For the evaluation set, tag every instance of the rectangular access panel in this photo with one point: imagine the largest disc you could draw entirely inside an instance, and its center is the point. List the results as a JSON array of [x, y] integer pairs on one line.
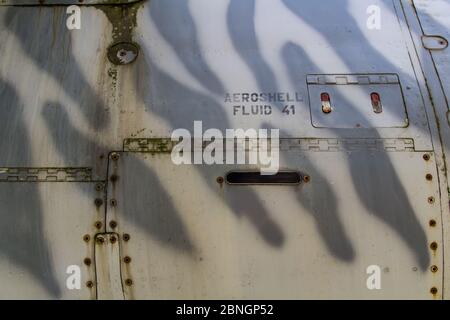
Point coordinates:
[[376, 101], [191, 235]]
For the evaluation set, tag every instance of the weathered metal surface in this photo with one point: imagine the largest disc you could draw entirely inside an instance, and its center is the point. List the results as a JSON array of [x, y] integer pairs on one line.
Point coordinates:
[[43, 226], [435, 21], [64, 105], [107, 259], [313, 240]]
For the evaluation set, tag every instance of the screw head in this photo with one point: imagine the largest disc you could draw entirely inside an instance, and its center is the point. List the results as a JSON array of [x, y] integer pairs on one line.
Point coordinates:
[[433, 246], [112, 239], [115, 156], [113, 224], [99, 186], [129, 282], [98, 202]]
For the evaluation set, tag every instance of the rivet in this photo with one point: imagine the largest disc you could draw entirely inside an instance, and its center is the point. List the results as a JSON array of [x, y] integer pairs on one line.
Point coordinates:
[[433, 290], [99, 186], [86, 238], [433, 246], [431, 200], [98, 224], [127, 259], [112, 239], [98, 202], [112, 224], [100, 240], [219, 180], [426, 157], [129, 282], [115, 156], [113, 202], [89, 284], [429, 177], [114, 178], [432, 223], [126, 237], [434, 269], [87, 261], [306, 178]]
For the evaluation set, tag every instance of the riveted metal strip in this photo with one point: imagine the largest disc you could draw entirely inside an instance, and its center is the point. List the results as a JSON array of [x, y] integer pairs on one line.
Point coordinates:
[[45, 174], [361, 79], [330, 145], [165, 145]]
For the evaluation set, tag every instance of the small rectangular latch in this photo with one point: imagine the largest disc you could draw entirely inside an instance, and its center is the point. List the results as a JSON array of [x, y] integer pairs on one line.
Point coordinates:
[[326, 102], [376, 102]]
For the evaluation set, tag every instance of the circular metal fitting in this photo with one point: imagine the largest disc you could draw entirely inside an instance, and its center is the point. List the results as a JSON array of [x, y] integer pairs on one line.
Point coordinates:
[[433, 246], [112, 239], [123, 53], [127, 259], [113, 224], [98, 202], [115, 156], [129, 282]]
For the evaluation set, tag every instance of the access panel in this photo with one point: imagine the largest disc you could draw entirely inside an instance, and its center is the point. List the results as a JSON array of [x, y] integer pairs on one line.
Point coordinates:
[[188, 233]]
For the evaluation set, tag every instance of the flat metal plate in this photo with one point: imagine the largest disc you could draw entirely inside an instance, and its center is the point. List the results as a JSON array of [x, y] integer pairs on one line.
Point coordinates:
[[59, 87], [42, 229], [194, 238], [358, 89]]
